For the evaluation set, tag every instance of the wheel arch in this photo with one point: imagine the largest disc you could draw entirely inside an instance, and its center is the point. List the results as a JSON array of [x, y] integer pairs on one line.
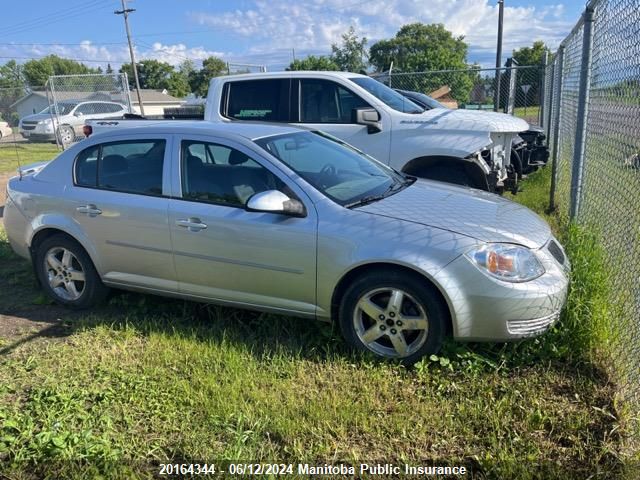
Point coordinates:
[[418, 165], [44, 231], [359, 270]]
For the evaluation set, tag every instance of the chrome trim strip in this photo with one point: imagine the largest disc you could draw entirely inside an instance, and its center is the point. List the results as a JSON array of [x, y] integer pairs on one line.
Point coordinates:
[[531, 326]]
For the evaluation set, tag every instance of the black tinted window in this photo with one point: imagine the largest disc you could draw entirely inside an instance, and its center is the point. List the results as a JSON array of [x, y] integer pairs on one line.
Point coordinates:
[[259, 100], [86, 173], [131, 166], [323, 101], [219, 174]]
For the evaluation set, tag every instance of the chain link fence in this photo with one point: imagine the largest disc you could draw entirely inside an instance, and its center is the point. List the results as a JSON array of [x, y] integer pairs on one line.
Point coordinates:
[[593, 92], [520, 88], [15, 103], [74, 99]]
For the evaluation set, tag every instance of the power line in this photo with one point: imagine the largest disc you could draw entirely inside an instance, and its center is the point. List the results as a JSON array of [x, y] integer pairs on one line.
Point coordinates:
[[46, 21], [39, 57], [56, 44]]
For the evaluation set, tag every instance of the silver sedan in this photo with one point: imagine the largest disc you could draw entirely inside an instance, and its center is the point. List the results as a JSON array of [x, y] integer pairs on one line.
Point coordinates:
[[285, 220]]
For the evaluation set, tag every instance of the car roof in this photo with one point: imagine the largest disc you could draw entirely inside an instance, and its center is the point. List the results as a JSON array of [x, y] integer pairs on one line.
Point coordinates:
[[248, 130], [293, 73]]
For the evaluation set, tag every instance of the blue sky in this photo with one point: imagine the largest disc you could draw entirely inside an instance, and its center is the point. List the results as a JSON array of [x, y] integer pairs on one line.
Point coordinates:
[[262, 31]]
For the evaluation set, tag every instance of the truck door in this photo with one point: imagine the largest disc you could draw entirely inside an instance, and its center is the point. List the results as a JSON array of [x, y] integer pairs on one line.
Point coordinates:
[[330, 107]]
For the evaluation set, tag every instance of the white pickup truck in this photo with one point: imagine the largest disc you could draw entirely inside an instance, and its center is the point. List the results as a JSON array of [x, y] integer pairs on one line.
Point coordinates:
[[459, 146]]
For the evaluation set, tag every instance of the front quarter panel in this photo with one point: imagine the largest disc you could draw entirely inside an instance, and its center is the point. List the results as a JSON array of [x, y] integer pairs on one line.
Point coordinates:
[[349, 238]]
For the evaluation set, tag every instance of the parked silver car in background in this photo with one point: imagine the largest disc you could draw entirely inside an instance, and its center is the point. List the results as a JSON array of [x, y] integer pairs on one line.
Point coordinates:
[[67, 119], [285, 220]]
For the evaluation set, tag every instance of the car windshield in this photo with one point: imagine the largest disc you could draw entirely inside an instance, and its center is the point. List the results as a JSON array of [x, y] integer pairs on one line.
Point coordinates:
[[63, 108], [344, 174], [385, 94], [425, 100]]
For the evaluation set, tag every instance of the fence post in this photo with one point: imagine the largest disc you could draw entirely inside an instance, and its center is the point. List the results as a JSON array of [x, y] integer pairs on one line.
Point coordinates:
[[556, 125], [548, 110], [577, 166], [53, 105], [541, 89]]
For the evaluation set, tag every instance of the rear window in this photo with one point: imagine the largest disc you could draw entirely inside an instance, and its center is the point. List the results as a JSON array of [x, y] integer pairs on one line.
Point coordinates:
[[265, 100], [128, 166]]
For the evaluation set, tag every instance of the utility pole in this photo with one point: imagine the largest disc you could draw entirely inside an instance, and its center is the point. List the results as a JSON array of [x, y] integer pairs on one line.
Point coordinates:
[[496, 89], [125, 12]]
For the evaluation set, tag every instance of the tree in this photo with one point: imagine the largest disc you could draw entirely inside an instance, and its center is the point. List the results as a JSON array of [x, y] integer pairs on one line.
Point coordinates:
[[350, 55], [12, 88], [36, 72], [531, 55], [109, 68], [314, 63], [420, 48], [11, 75], [151, 74], [199, 79], [525, 56], [178, 84]]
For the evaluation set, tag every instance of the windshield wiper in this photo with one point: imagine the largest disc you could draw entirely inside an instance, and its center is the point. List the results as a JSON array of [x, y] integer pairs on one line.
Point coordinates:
[[391, 189]]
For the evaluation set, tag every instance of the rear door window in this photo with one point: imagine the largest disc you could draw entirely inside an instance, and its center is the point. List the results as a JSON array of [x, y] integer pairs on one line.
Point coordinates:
[[265, 100], [132, 166]]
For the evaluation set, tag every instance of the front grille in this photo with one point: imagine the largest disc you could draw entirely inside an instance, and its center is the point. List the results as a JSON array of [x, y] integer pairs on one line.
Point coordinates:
[[533, 326], [28, 127], [556, 252]]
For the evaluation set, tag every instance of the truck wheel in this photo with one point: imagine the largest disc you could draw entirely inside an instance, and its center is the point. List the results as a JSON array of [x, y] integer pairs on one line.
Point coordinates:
[[66, 134], [458, 173]]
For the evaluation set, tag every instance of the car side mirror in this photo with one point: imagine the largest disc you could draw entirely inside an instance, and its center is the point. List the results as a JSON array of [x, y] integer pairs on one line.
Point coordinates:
[[78, 114], [369, 117], [274, 201]]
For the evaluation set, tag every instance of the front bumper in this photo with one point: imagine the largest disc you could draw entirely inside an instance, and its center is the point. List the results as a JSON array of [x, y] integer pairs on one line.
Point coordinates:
[[487, 309]]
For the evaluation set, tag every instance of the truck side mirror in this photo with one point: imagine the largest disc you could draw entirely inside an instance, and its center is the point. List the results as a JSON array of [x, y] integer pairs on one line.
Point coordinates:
[[369, 117]]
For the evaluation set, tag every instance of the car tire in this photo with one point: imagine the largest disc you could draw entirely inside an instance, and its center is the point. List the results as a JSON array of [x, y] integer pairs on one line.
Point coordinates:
[[66, 134], [67, 273], [394, 302]]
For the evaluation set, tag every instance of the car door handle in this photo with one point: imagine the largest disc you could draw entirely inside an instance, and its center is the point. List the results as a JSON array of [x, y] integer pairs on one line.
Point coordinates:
[[90, 210], [193, 224]]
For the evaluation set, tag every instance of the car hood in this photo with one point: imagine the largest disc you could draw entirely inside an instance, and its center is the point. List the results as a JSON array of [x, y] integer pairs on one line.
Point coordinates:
[[473, 213], [472, 120], [36, 117]]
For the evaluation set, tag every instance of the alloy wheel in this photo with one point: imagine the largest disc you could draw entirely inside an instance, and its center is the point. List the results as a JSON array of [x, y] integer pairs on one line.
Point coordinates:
[[65, 273], [390, 322]]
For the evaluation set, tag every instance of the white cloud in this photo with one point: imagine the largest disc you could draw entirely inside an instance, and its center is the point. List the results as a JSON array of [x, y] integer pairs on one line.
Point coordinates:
[[316, 24], [97, 55]]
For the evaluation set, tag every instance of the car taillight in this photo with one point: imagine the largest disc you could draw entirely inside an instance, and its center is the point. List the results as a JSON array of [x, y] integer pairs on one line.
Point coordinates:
[[87, 130]]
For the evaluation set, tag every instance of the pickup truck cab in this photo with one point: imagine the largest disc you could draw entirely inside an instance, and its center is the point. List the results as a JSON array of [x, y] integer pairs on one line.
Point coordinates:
[[457, 146]]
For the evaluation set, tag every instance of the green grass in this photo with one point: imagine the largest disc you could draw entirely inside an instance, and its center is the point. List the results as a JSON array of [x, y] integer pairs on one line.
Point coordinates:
[[143, 380], [530, 115], [26, 153]]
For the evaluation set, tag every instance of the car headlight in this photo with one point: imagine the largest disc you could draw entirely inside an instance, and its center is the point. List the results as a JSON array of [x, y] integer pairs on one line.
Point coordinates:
[[46, 121], [511, 263]]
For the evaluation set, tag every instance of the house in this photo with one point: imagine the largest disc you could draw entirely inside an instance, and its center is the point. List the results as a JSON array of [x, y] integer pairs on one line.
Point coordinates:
[[155, 101], [443, 95]]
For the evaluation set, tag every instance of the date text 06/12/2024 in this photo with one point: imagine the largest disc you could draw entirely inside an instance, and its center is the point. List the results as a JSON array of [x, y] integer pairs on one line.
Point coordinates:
[[309, 469]]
